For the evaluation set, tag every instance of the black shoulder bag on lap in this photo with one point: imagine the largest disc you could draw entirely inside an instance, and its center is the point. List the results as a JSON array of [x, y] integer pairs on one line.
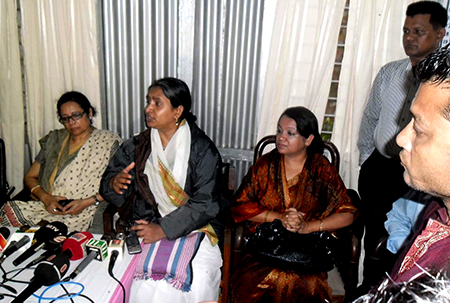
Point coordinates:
[[273, 244]]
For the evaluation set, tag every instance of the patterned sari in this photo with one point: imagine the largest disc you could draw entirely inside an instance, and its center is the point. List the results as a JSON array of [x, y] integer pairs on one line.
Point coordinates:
[[316, 191], [72, 174]]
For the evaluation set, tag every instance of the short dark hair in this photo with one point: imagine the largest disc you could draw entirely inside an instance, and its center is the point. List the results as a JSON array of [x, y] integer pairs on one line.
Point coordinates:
[[77, 97], [306, 125], [178, 93], [438, 14], [435, 69]]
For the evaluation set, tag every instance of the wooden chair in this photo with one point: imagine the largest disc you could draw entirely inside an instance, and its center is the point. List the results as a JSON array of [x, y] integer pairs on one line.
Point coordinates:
[[228, 181], [350, 236]]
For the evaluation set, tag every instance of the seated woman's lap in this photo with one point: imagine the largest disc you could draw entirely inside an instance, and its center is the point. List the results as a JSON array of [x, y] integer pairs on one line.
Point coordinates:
[[205, 285], [18, 213], [254, 282]]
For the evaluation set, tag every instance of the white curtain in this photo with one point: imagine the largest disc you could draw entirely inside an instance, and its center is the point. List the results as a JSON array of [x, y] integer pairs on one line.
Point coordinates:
[[11, 105], [374, 37], [301, 58], [61, 54]]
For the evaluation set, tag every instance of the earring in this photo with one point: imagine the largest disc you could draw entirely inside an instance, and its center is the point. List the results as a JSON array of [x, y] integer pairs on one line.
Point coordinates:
[[177, 121]]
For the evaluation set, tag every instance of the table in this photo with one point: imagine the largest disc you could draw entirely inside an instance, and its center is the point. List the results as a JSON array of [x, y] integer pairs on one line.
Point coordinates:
[[98, 284]]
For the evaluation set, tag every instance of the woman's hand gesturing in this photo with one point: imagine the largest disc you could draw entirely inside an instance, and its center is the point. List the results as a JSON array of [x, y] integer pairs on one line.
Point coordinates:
[[122, 179]]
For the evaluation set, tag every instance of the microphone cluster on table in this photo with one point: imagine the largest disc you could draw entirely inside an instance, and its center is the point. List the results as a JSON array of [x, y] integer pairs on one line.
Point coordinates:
[[59, 248]]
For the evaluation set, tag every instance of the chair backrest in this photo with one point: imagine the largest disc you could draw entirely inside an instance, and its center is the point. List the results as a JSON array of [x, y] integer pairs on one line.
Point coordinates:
[[331, 151]]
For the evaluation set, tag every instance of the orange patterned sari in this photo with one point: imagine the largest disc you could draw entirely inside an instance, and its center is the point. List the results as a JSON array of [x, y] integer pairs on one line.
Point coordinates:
[[317, 191]]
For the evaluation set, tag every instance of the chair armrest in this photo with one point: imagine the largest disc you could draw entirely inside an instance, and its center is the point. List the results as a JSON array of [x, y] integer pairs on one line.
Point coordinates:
[[238, 245], [380, 247]]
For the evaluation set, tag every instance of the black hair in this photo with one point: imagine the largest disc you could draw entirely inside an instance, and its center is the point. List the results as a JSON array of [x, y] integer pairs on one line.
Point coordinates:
[[178, 93], [435, 69], [426, 287], [77, 97], [438, 14], [306, 125]]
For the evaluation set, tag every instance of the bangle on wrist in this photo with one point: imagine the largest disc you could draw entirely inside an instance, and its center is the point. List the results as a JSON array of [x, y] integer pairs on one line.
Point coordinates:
[[267, 214], [321, 225], [34, 188]]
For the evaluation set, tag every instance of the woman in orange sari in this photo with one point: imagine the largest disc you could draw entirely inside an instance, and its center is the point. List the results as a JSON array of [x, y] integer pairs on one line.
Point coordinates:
[[296, 184]]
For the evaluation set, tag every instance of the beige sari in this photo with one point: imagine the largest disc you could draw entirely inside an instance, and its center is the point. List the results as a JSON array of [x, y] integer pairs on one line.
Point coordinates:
[[78, 178]]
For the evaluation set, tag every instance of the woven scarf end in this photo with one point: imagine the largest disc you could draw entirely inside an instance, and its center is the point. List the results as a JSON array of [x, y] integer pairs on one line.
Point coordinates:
[[184, 287], [154, 277]]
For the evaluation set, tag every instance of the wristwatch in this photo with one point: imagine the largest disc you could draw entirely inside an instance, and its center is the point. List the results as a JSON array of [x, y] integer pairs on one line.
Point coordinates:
[[97, 201]]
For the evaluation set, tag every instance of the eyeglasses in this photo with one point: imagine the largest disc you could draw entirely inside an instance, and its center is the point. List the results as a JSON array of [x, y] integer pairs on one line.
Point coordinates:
[[74, 117]]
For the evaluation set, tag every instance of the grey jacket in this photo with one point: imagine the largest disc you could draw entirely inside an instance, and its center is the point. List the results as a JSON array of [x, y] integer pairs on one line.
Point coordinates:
[[202, 185]]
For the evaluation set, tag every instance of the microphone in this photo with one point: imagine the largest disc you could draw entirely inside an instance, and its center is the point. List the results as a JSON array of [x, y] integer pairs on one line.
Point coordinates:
[[46, 273], [41, 237], [99, 246], [115, 248], [91, 256], [75, 246], [112, 262], [97, 249], [4, 234], [116, 245], [13, 247], [45, 255]]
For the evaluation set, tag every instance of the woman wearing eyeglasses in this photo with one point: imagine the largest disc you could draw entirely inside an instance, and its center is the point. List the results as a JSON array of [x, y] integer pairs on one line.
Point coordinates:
[[69, 165]]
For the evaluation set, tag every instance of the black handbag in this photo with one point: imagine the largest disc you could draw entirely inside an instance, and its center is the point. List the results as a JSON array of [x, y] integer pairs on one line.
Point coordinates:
[[272, 243]]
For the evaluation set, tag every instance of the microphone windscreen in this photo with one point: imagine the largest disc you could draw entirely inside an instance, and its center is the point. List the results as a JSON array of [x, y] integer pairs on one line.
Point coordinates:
[[4, 235], [53, 269], [50, 231], [58, 227], [76, 244]]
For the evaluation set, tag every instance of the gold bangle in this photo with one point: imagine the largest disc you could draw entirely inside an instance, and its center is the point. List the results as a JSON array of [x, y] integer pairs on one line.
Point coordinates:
[[34, 187], [267, 214], [321, 225]]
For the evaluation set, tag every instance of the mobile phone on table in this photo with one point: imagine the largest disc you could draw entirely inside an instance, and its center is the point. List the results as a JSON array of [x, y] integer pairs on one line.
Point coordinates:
[[133, 245]]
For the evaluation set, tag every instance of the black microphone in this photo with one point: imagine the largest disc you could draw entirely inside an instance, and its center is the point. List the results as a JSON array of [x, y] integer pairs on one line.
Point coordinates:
[[13, 247], [112, 261], [55, 250], [41, 237], [46, 273]]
